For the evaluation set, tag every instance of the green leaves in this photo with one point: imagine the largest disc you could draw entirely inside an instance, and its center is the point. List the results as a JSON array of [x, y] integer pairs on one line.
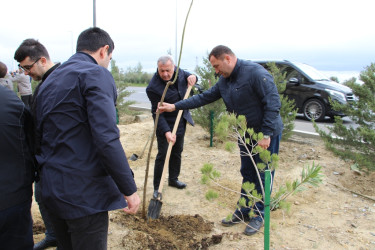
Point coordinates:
[[209, 173], [232, 126], [357, 144], [230, 146], [310, 176], [211, 195]]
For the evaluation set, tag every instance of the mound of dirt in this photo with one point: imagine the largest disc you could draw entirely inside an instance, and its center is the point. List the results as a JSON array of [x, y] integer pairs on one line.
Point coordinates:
[[170, 232]]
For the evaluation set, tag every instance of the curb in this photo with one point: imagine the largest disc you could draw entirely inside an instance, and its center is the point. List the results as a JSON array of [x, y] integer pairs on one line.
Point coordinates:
[[306, 134]]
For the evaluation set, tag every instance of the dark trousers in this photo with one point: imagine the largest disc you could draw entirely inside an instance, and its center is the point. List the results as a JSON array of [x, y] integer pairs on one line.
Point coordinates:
[[174, 160], [50, 233], [249, 174], [16, 227], [89, 232], [26, 99]]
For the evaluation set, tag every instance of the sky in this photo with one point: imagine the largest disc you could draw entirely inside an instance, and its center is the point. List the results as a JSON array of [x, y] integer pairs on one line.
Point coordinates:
[[331, 35]]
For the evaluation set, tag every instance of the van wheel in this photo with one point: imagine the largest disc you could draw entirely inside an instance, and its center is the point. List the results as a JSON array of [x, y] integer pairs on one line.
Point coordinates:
[[314, 109]]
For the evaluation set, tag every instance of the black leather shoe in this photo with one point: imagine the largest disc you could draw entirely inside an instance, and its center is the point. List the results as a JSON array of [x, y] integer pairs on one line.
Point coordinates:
[[237, 217], [45, 244], [177, 184], [155, 195], [253, 227]]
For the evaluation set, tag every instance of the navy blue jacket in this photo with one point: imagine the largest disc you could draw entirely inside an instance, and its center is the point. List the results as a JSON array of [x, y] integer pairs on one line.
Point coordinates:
[[16, 164], [174, 94], [248, 91], [84, 169]]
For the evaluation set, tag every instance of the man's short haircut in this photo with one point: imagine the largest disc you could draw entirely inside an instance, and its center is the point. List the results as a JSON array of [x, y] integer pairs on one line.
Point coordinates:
[[164, 59], [219, 51], [30, 48], [3, 70], [93, 39]]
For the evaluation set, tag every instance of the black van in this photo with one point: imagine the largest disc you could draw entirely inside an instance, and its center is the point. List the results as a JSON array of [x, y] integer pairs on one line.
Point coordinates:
[[310, 89]]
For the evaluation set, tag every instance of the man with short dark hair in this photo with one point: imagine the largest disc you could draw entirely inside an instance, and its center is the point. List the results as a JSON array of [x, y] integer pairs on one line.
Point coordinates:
[[246, 89], [85, 172], [35, 62]]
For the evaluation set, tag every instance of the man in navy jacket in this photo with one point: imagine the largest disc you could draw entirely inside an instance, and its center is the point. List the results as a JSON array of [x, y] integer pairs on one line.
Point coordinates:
[[35, 62], [84, 169], [246, 89], [16, 173], [166, 72]]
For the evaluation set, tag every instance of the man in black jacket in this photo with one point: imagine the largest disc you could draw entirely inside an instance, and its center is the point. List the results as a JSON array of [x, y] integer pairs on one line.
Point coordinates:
[[85, 172], [246, 89], [166, 72], [16, 174], [34, 60]]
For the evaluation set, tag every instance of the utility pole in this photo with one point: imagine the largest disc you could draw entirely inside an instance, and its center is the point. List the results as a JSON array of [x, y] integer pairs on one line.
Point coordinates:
[[94, 13], [175, 55]]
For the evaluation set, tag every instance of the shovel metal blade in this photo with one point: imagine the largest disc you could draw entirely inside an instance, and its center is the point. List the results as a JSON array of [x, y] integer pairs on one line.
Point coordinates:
[[154, 208], [134, 157]]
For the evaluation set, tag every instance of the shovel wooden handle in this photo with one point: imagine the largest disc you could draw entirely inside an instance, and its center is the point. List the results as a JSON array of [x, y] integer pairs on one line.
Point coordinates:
[[166, 162]]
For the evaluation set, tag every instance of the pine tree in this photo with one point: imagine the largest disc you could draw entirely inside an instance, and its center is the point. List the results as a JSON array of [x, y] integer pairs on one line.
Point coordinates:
[[288, 111], [122, 105], [355, 143], [202, 115]]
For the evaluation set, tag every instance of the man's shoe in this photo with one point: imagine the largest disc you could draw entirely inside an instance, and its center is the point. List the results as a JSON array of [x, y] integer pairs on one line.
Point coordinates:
[[177, 184], [254, 225], [45, 244], [155, 195], [237, 217]]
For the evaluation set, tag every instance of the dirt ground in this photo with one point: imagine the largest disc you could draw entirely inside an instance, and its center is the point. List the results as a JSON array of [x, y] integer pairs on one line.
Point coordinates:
[[336, 215]]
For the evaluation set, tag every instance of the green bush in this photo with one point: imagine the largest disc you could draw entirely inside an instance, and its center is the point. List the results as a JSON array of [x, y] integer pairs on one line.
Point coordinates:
[[357, 144], [202, 115]]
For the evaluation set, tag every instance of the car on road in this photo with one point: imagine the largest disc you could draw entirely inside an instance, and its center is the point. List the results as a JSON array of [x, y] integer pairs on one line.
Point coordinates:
[[310, 89]]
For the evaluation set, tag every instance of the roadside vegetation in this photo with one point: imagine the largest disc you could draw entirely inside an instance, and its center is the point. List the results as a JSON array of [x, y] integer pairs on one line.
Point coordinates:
[[356, 144]]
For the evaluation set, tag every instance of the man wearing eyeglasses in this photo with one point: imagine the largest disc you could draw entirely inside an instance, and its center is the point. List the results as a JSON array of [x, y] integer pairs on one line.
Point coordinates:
[[34, 60]]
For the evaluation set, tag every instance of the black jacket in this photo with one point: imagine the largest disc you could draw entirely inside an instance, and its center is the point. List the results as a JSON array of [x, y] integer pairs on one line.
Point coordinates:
[[174, 94], [16, 165]]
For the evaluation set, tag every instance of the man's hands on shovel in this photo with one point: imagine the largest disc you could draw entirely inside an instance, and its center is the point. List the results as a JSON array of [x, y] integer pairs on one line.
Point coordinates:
[[170, 137], [133, 203], [166, 107]]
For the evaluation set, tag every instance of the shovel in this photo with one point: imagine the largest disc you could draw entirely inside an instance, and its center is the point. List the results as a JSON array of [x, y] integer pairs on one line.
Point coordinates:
[[135, 157], [154, 207]]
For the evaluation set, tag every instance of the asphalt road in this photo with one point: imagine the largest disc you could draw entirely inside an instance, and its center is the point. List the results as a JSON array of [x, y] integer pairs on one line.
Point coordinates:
[[301, 125]]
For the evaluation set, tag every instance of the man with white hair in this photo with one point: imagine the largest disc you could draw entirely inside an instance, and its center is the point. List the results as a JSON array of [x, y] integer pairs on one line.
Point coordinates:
[[166, 72]]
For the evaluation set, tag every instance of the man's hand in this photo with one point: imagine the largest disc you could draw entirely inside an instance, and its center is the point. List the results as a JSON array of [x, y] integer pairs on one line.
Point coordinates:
[[166, 107], [170, 137], [133, 203], [264, 143], [191, 80]]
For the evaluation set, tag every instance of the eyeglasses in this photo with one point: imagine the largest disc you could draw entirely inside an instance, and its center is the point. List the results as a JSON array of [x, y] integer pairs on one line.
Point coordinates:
[[27, 68]]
